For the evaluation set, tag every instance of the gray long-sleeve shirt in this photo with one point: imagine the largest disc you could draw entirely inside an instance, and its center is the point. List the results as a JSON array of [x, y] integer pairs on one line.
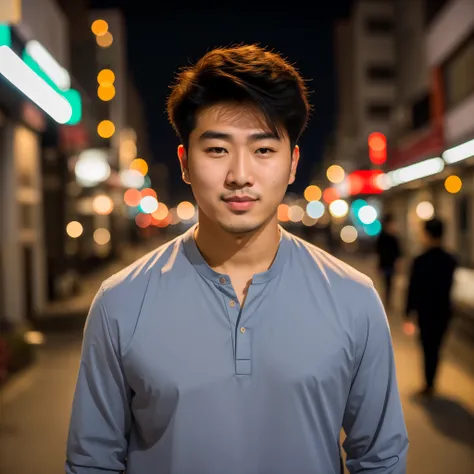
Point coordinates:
[[176, 378]]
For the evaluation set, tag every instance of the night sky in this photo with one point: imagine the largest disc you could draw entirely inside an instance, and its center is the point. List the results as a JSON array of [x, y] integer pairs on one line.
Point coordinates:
[[158, 45]]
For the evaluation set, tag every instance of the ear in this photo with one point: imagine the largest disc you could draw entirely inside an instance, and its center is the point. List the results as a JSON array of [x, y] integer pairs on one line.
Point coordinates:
[[183, 162], [295, 157]]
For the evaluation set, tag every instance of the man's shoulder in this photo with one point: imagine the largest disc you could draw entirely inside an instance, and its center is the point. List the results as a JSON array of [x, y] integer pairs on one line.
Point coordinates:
[[331, 267], [137, 274]]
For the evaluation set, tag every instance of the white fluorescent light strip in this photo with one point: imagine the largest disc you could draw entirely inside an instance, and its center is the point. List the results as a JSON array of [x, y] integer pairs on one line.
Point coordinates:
[[35, 88], [417, 171], [49, 65], [459, 153]]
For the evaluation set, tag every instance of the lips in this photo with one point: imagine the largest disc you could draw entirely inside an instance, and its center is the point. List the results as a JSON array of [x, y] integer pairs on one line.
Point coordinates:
[[240, 203], [239, 199]]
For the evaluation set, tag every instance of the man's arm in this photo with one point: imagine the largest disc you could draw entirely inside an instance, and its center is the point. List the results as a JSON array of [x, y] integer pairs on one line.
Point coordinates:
[[376, 437], [100, 422]]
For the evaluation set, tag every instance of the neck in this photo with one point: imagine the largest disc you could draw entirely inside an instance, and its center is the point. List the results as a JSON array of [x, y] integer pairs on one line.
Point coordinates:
[[434, 244], [227, 252]]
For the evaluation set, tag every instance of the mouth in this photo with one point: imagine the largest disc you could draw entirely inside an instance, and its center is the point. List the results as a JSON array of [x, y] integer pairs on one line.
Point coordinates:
[[240, 203]]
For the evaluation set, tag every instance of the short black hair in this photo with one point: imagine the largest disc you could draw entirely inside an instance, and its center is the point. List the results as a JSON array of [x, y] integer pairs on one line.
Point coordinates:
[[242, 74], [434, 228]]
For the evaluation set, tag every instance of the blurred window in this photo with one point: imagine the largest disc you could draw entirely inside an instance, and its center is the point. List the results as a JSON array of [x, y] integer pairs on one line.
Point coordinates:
[[458, 73], [420, 112], [380, 72], [378, 111], [379, 26]]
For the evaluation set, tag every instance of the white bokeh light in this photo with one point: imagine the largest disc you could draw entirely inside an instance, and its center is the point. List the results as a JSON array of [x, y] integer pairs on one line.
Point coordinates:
[[132, 179], [149, 204], [425, 210], [92, 168], [367, 214], [338, 208]]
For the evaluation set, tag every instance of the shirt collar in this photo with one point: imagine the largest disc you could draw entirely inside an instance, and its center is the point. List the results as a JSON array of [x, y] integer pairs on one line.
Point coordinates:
[[197, 260]]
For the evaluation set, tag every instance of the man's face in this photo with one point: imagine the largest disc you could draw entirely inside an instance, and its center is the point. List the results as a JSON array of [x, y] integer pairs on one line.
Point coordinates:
[[238, 170]]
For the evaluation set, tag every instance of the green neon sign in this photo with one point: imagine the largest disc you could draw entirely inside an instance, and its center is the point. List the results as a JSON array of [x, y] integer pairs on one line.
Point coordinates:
[[5, 35], [71, 95]]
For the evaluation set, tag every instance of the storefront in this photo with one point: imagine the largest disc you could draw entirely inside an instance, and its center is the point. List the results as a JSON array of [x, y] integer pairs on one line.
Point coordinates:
[[31, 110]]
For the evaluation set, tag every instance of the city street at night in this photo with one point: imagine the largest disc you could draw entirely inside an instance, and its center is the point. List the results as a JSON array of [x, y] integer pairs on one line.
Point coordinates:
[[241, 131]]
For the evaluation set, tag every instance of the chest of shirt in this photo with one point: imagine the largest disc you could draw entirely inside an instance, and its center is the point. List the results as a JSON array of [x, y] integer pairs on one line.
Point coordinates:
[[192, 342]]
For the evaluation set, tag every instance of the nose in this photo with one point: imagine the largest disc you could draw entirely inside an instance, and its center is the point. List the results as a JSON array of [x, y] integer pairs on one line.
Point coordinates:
[[240, 174]]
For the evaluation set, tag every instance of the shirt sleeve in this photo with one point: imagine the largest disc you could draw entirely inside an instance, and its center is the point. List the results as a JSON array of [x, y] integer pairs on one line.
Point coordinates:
[[376, 437], [100, 420]]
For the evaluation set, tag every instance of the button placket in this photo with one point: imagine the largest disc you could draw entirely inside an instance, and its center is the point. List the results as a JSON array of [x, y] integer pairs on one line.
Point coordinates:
[[243, 356]]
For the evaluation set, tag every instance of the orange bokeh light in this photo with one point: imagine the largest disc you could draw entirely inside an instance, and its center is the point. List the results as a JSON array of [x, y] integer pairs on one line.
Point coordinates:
[[330, 195]]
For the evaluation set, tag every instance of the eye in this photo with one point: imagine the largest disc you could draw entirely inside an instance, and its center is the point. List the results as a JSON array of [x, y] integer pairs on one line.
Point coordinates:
[[264, 151], [216, 150]]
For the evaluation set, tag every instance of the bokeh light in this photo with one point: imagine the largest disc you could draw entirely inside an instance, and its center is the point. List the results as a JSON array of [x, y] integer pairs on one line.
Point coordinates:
[[453, 184], [283, 213], [106, 77], [74, 229], [312, 193], [101, 236], [105, 129], [105, 40], [338, 208], [315, 209], [140, 165], [106, 92], [335, 174], [185, 210], [100, 27], [425, 210], [349, 234], [102, 204]]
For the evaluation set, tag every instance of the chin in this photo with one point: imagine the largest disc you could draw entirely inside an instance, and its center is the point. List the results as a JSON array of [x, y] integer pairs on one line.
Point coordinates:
[[241, 225]]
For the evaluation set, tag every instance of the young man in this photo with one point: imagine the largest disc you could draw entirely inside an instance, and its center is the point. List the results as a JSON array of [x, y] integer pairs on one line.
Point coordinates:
[[237, 348], [429, 296]]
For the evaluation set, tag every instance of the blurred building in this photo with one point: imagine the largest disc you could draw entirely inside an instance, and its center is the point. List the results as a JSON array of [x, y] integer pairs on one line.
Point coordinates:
[[367, 40], [431, 141], [345, 133], [365, 54], [366, 80], [39, 98]]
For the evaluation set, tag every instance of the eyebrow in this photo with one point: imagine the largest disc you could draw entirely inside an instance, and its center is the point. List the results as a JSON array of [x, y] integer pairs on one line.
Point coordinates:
[[212, 134]]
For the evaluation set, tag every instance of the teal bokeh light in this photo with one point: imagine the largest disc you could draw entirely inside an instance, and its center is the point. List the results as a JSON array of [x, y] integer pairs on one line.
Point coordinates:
[[373, 229]]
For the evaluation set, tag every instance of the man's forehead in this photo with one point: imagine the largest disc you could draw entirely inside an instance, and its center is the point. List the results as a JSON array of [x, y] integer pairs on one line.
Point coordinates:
[[236, 116]]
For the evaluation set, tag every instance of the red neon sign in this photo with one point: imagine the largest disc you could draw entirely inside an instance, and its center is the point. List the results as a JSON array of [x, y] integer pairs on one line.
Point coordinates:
[[365, 182], [377, 148]]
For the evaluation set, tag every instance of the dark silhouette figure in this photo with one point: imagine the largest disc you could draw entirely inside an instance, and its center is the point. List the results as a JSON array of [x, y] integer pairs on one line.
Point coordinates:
[[429, 296], [388, 252]]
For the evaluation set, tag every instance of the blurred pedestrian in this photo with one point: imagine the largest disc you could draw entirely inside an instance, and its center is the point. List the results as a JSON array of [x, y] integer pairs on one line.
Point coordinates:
[[388, 252], [429, 297]]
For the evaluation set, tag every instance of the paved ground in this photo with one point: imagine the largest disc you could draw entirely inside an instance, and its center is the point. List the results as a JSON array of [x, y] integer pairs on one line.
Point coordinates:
[[35, 407]]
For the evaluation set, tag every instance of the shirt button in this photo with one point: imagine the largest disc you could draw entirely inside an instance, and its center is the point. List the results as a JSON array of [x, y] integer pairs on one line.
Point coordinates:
[[232, 303], [242, 330], [222, 280]]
